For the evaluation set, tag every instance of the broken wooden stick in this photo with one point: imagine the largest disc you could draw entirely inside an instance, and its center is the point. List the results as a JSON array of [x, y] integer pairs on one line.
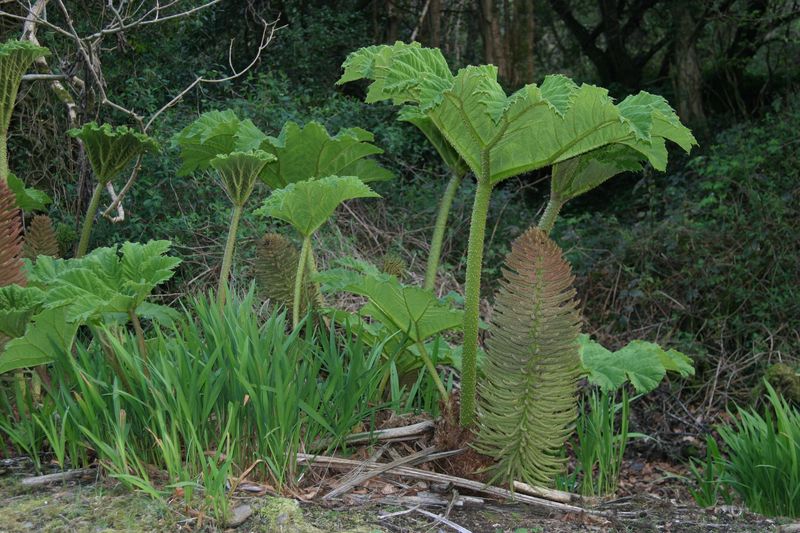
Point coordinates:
[[477, 486], [548, 494], [402, 432], [38, 481]]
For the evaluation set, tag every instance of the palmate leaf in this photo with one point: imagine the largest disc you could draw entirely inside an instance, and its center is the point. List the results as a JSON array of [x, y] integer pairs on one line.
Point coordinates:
[[48, 334], [533, 128], [413, 312], [28, 198], [583, 173], [212, 134], [448, 154], [307, 205], [528, 399], [642, 363], [103, 283], [15, 59], [310, 152], [239, 171], [111, 148], [17, 306]]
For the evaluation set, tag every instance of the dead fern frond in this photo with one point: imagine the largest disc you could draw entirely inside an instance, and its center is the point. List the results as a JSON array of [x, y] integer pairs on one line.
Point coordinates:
[[10, 239], [528, 399], [40, 239]]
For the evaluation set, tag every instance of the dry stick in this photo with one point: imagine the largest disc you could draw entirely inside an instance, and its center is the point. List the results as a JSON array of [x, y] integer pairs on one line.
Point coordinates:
[[382, 434], [444, 521], [404, 471], [38, 481], [345, 487], [547, 494]]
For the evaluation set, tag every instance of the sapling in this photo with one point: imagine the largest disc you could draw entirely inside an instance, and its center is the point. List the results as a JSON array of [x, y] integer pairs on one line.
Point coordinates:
[[307, 205], [109, 150], [500, 136]]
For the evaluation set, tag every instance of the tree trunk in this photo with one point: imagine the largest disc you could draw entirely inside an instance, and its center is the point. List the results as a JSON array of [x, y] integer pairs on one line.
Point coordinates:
[[686, 74], [522, 46], [435, 23]]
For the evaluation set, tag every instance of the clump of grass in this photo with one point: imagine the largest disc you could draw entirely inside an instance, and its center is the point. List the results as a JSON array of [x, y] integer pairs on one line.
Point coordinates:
[[763, 464]]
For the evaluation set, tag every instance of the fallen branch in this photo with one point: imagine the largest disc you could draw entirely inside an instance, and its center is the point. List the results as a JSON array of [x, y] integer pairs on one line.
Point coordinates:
[[477, 486], [547, 494], [358, 480], [46, 479], [382, 434]]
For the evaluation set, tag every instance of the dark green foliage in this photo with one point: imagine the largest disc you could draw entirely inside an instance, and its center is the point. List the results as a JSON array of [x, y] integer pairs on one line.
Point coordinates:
[[528, 398]]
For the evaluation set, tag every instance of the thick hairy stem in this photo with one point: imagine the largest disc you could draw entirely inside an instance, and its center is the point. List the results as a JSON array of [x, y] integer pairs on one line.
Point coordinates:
[[548, 220], [86, 231], [298, 281], [312, 272], [227, 258], [472, 301], [3, 158], [438, 231], [434, 374]]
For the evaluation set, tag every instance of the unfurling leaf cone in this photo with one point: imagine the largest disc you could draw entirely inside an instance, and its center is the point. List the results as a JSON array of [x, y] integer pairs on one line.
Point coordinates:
[[528, 399], [40, 239], [10, 239], [276, 268], [394, 265]]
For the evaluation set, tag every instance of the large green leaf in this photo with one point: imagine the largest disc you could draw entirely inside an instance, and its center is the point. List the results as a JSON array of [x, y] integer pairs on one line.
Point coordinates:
[[212, 134], [28, 198], [448, 154], [103, 283], [583, 173], [643, 363], [309, 152], [500, 136], [49, 334], [414, 312], [15, 59], [111, 148], [239, 171], [17, 306], [307, 205]]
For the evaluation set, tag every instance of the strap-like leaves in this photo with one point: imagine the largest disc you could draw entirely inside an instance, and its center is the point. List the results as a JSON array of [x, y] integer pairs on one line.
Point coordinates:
[[500, 136], [310, 152], [528, 400], [239, 171], [110, 149], [307, 205]]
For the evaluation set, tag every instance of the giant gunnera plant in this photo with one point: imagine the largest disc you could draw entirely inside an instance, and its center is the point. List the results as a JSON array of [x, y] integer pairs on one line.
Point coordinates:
[[500, 136]]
